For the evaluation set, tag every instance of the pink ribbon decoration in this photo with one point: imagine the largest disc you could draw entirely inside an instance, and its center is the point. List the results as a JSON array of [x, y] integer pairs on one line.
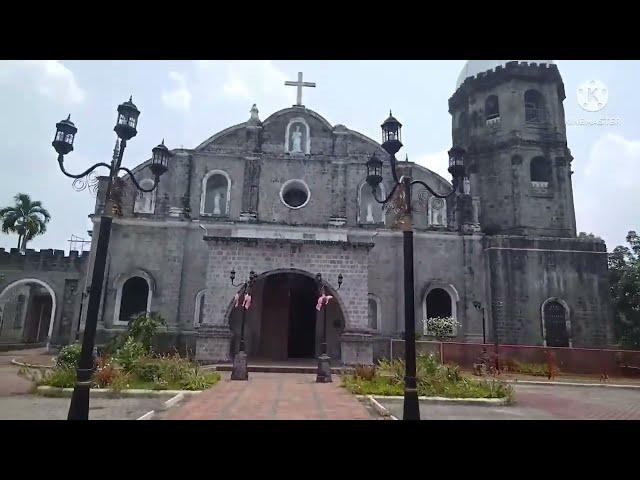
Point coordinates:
[[323, 300], [247, 301]]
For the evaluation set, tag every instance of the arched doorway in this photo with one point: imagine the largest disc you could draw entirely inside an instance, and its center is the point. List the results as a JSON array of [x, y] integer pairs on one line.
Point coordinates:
[[283, 322], [555, 316], [134, 299], [27, 312]]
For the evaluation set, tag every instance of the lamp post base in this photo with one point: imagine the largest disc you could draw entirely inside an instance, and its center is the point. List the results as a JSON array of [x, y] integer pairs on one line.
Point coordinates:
[[324, 369], [411, 408], [239, 371]]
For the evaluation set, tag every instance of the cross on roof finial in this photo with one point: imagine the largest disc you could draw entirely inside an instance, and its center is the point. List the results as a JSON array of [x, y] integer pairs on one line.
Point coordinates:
[[300, 84]]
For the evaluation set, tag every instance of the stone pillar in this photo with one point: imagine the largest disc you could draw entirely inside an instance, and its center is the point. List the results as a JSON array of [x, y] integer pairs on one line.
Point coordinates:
[[250, 189], [338, 194]]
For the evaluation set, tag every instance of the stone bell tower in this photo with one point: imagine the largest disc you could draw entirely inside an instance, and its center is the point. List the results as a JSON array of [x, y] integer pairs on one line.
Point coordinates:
[[509, 117]]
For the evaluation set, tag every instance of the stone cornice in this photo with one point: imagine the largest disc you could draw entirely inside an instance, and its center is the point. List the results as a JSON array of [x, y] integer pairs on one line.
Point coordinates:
[[281, 242]]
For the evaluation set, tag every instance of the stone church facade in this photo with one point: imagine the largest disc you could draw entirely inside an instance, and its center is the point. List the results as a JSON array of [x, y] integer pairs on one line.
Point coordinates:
[[286, 197]]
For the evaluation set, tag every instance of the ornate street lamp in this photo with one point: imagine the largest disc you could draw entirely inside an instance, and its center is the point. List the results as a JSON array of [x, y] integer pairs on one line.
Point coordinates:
[[242, 300], [324, 361], [64, 137], [391, 143]]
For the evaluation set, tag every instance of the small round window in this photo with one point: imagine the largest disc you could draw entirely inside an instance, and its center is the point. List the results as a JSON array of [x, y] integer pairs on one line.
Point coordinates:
[[295, 194]]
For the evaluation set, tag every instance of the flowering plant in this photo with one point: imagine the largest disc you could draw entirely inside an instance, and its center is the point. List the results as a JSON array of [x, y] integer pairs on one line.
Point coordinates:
[[441, 327]]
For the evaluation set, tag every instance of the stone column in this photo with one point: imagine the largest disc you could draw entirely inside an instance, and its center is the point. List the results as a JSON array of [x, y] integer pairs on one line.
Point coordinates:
[[250, 189], [338, 194]]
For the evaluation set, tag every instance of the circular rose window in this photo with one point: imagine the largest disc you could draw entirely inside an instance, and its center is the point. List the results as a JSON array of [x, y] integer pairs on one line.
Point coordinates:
[[295, 194]]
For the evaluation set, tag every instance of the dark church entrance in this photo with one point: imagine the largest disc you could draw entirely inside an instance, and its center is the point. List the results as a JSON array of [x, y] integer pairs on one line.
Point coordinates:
[[288, 323], [555, 324], [135, 296]]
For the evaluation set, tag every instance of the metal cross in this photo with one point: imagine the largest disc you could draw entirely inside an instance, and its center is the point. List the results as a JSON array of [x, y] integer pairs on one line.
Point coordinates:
[[300, 84]]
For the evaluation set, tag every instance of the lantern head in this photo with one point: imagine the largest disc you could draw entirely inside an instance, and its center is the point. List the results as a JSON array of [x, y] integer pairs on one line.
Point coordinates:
[[127, 121], [391, 135], [159, 159], [374, 171], [65, 134]]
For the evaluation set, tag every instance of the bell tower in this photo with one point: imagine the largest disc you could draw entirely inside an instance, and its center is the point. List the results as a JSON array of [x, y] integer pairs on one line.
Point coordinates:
[[509, 117]]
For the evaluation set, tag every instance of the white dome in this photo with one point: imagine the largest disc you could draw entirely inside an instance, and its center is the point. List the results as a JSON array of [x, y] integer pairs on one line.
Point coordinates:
[[474, 67]]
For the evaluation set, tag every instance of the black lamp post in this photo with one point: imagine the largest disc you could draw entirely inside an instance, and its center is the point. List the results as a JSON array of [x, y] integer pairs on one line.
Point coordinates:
[[478, 306], [391, 143], [324, 360], [63, 143], [242, 300]]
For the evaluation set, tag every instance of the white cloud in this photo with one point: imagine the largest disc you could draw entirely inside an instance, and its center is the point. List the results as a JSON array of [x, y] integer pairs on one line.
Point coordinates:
[[437, 162], [606, 190], [48, 77], [253, 81], [180, 97]]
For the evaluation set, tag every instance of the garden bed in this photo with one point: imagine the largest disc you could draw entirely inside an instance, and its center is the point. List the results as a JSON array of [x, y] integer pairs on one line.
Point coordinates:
[[386, 379], [128, 363]]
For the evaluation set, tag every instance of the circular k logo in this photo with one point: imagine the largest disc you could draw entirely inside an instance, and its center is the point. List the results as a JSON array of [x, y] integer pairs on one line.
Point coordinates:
[[593, 95]]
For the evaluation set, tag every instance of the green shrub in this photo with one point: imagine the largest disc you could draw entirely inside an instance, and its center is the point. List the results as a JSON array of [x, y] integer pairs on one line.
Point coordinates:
[[147, 368], [160, 384], [433, 379], [143, 328], [174, 368], [535, 369], [196, 380], [366, 372], [105, 372], [59, 377], [129, 354], [120, 382], [69, 356]]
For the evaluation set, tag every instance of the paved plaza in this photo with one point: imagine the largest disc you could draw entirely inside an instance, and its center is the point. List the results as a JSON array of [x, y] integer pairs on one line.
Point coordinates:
[[273, 396], [540, 402], [295, 396]]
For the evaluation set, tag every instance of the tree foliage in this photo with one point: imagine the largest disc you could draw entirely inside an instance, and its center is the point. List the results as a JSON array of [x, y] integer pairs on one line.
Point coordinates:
[[624, 276], [27, 218]]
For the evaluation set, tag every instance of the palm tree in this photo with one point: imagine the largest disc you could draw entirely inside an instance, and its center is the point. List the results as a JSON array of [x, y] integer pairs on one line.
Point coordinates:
[[26, 218]]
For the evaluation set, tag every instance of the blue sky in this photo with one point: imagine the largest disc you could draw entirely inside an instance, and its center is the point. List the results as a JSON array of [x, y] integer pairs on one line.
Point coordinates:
[[186, 102]]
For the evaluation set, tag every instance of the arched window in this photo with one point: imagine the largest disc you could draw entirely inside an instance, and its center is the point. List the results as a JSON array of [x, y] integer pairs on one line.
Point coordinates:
[[534, 106], [491, 107], [540, 171], [374, 312], [555, 323], [440, 300], [133, 298], [145, 201], [370, 211], [198, 313], [437, 212], [216, 193]]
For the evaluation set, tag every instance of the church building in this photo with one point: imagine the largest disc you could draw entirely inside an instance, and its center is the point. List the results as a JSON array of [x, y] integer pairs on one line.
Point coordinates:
[[285, 196]]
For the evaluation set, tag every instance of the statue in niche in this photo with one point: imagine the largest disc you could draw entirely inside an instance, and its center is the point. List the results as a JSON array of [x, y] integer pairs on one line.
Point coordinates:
[[437, 212], [466, 186], [296, 140], [369, 213], [216, 203]]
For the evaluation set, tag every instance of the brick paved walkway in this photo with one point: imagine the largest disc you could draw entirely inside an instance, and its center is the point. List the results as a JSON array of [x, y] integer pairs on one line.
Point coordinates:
[[541, 402], [272, 396]]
